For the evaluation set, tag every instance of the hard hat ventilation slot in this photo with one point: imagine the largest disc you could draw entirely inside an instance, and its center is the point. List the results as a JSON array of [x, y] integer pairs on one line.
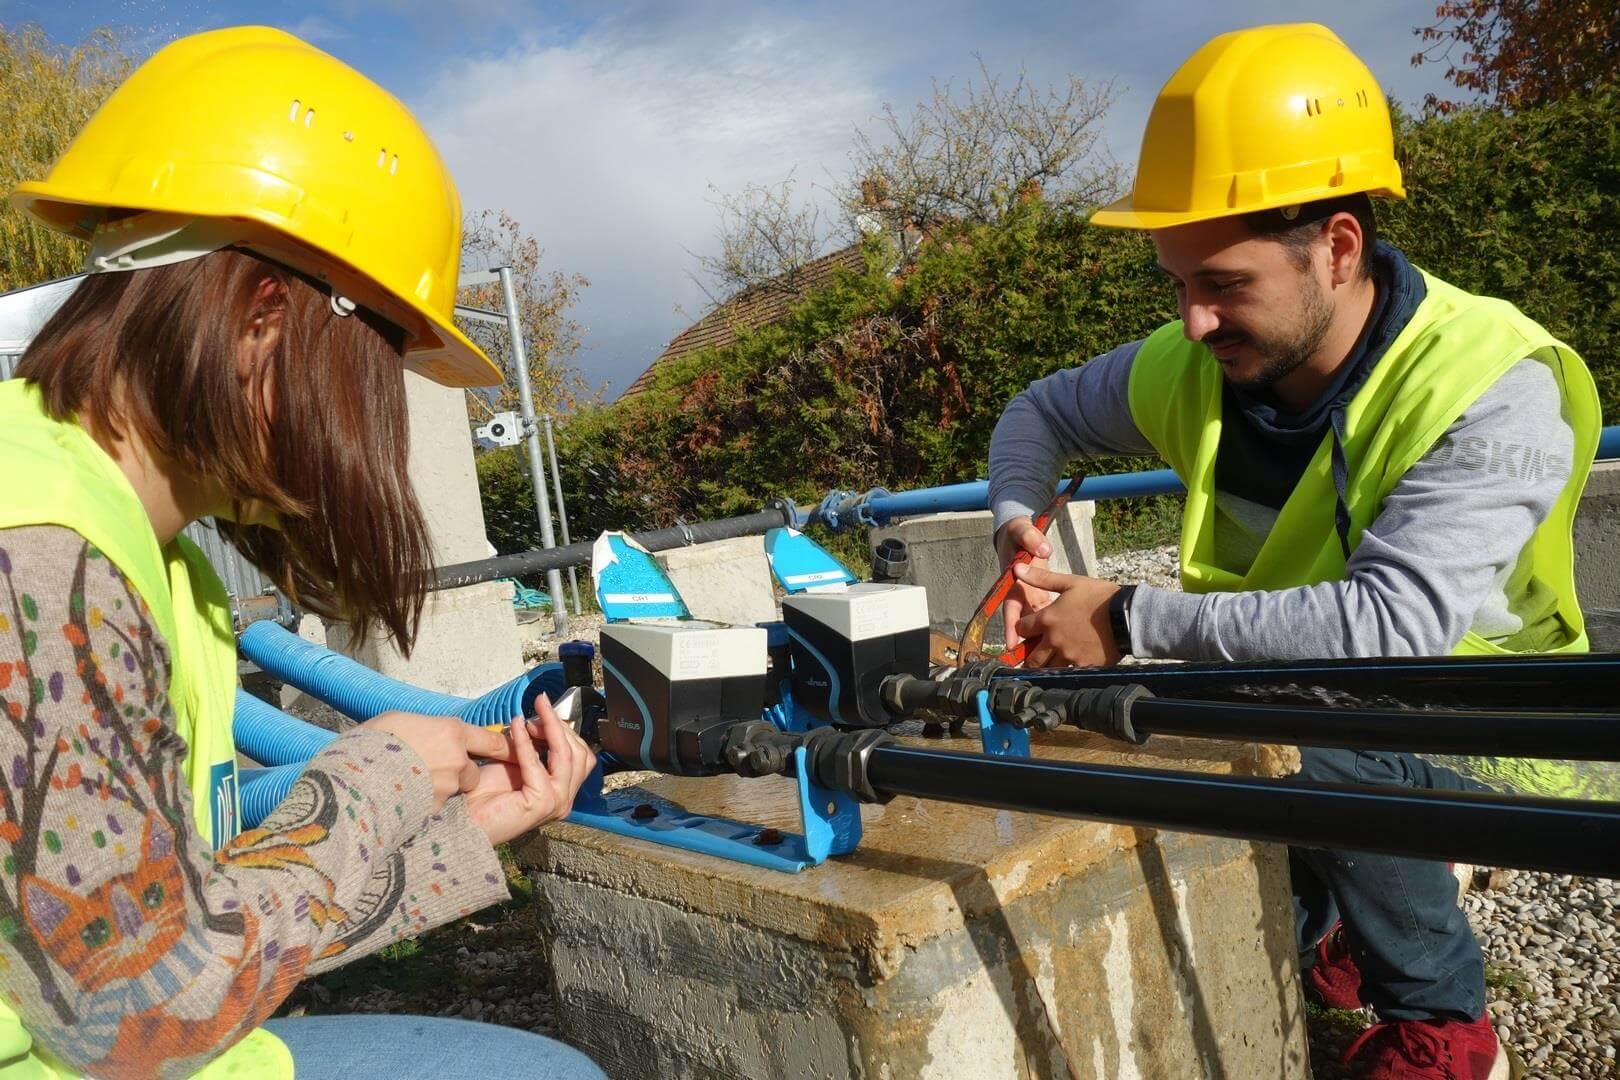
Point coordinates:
[[292, 113], [309, 117], [383, 158], [393, 166]]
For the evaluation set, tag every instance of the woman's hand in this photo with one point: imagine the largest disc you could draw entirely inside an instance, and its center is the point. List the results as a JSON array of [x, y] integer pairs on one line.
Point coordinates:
[[447, 746], [522, 792]]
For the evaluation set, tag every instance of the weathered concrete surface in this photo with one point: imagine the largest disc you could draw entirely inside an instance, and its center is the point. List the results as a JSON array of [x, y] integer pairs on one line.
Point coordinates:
[[726, 581], [952, 557], [956, 942], [468, 641], [1597, 554]]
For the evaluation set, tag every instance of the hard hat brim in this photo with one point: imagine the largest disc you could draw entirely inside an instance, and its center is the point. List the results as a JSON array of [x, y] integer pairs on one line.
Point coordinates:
[[1122, 214], [437, 349]]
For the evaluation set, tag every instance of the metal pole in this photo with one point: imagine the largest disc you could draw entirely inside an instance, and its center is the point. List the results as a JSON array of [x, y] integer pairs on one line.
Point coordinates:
[[562, 507], [537, 465]]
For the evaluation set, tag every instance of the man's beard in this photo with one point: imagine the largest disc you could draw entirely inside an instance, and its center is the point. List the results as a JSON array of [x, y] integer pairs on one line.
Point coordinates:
[[1281, 357]]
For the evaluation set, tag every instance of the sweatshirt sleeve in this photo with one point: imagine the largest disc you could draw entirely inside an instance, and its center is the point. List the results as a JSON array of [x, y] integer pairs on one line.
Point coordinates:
[[127, 947], [1079, 412], [1431, 566]]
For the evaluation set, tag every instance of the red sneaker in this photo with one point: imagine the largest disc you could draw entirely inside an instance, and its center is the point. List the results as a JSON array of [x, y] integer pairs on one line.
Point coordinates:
[[1334, 980], [1429, 1050]]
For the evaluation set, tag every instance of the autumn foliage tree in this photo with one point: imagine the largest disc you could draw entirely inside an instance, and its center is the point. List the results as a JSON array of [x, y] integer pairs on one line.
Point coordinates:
[[1519, 53], [544, 298], [47, 92]]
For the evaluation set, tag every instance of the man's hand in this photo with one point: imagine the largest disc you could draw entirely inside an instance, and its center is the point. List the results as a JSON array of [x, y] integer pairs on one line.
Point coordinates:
[[513, 796], [1020, 534], [1072, 630]]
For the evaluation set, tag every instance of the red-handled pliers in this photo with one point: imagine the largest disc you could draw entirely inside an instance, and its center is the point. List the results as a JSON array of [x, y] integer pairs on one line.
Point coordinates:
[[971, 646]]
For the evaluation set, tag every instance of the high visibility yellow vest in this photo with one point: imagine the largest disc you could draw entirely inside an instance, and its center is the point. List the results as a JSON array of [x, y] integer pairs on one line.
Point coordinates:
[[57, 475], [1455, 346]]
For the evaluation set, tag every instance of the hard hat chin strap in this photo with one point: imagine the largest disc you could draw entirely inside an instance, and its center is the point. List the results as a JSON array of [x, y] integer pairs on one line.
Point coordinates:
[[142, 241]]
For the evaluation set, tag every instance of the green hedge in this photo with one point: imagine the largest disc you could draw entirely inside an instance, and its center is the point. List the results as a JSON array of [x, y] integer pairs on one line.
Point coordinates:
[[877, 380]]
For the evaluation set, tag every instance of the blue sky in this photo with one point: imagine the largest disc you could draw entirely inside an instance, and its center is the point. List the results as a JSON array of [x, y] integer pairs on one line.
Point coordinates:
[[601, 127]]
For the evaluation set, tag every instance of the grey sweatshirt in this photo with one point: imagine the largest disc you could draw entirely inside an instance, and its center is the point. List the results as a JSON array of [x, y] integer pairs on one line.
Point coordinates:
[[1432, 566]]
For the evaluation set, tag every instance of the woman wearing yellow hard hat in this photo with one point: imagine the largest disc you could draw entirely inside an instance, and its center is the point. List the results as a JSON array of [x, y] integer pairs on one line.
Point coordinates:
[[273, 239], [1341, 420]]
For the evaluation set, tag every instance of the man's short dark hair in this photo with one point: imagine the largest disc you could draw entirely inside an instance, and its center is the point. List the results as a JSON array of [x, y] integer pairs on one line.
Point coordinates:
[[1296, 227]]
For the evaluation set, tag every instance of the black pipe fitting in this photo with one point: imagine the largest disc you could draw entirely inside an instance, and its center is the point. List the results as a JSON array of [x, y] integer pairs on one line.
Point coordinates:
[[1107, 711], [755, 748], [904, 694], [890, 560], [841, 760]]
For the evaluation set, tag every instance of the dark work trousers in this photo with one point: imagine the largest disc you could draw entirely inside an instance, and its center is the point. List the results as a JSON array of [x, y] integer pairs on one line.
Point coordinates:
[[1416, 951]]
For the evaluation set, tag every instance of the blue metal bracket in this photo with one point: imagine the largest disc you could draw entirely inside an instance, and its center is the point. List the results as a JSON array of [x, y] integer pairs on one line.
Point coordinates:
[[831, 819], [1000, 739]]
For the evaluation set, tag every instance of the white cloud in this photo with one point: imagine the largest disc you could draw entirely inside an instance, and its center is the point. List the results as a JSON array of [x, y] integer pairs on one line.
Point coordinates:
[[603, 136], [605, 147]]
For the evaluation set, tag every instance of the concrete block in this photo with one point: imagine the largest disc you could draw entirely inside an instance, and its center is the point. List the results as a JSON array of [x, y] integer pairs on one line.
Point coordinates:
[[956, 942], [726, 581], [952, 556], [1597, 555], [468, 641]]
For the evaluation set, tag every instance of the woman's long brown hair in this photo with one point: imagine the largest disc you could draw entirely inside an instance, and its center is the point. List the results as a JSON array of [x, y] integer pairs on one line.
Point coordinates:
[[154, 352]]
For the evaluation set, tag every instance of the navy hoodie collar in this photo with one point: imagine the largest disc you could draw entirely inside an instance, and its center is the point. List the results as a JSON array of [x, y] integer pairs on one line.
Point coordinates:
[[1399, 291]]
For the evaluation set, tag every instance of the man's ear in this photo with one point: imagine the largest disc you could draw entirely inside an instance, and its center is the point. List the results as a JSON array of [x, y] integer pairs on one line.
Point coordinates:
[[1345, 241]]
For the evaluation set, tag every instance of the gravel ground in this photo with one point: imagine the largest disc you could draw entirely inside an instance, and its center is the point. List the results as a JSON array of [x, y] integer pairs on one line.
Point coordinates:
[[1551, 945], [1553, 949]]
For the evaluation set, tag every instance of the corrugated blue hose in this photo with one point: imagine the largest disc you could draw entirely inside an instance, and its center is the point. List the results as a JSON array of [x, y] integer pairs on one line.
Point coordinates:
[[360, 693], [285, 743], [262, 790], [271, 737]]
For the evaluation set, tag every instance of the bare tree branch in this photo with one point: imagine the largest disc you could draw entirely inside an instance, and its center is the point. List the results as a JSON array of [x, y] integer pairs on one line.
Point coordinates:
[[764, 238], [971, 155]]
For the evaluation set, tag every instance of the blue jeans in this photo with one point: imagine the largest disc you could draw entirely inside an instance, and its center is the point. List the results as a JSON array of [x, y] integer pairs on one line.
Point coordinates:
[[1416, 951], [406, 1047]]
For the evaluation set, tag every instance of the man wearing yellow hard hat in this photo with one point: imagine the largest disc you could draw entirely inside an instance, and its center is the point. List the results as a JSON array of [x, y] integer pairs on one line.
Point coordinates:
[[1377, 464], [273, 241]]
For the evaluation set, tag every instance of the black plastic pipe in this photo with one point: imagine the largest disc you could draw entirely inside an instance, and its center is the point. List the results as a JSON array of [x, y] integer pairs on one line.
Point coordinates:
[[1588, 681], [1563, 836], [1560, 736], [778, 514]]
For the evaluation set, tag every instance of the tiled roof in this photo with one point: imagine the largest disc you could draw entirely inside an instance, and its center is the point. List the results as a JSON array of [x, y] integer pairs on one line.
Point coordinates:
[[757, 306]]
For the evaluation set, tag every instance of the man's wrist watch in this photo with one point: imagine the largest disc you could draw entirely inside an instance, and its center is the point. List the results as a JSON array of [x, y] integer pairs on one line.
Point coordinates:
[[1119, 618]]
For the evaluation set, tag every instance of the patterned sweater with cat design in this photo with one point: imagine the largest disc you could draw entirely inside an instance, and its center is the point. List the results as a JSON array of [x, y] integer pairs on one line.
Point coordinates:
[[127, 947]]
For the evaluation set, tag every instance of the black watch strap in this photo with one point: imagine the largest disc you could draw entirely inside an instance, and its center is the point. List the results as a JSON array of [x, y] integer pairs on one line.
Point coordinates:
[[1119, 618]]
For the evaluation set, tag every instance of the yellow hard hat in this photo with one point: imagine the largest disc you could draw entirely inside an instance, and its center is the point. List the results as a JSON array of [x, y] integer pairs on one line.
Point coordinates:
[[262, 141], [1258, 119]]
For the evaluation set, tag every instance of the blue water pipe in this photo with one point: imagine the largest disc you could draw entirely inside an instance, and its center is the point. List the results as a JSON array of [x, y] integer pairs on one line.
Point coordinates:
[[360, 693], [879, 506]]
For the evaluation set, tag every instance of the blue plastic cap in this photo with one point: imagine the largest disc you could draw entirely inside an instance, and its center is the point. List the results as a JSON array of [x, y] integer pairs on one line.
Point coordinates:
[[576, 648], [776, 634]]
